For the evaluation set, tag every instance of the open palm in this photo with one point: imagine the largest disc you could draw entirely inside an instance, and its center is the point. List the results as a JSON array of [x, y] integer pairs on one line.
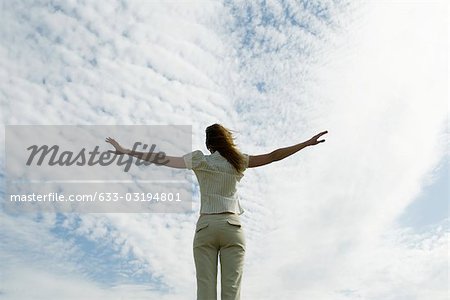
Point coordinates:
[[119, 149], [314, 139]]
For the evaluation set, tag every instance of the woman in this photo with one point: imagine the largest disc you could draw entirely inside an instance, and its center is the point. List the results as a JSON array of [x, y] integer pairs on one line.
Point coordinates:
[[219, 232]]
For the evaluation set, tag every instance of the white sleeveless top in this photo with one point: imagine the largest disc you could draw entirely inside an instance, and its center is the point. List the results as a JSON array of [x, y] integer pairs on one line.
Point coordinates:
[[217, 179]]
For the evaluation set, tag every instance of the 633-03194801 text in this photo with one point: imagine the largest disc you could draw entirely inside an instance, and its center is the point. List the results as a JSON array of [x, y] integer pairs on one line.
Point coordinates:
[[98, 196]]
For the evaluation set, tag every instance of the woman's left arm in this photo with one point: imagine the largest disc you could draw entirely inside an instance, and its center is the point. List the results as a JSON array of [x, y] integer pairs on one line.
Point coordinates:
[[156, 158]]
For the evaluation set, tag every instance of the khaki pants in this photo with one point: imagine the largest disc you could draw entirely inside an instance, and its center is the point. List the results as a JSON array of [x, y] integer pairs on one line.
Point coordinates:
[[219, 235]]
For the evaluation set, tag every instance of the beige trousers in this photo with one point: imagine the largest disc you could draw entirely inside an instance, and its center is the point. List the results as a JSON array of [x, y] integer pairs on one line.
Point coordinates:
[[219, 235]]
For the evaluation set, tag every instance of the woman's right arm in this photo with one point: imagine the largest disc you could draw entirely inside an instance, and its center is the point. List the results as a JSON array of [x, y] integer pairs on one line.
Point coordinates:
[[281, 153]]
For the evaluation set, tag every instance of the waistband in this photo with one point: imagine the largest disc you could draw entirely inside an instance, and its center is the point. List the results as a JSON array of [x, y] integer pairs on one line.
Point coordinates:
[[211, 217]]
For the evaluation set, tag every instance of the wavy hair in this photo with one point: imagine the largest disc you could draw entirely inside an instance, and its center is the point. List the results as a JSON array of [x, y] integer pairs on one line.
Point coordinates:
[[219, 138]]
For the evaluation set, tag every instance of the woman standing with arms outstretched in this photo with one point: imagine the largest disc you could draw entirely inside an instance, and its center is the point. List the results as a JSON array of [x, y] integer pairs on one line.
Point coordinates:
[[219, 233]]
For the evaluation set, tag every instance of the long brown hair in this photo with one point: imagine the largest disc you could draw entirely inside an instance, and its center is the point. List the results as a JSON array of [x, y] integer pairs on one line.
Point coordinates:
[[219, 138]]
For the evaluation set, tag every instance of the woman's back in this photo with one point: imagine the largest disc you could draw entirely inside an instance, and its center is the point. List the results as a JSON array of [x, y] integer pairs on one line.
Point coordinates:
[[217, 179]]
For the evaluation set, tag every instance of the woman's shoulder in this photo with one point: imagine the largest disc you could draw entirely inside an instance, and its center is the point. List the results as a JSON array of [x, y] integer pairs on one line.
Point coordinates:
[[193, 159]]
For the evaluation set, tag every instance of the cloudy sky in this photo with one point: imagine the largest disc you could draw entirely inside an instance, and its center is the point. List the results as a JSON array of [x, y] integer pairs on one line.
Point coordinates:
[[362, 216]]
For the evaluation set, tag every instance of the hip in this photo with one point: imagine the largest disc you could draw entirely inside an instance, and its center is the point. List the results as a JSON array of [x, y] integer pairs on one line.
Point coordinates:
[[219, 230]]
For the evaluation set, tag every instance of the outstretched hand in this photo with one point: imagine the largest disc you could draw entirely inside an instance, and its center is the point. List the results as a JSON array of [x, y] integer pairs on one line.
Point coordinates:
[[118, 148], [314, 139]]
